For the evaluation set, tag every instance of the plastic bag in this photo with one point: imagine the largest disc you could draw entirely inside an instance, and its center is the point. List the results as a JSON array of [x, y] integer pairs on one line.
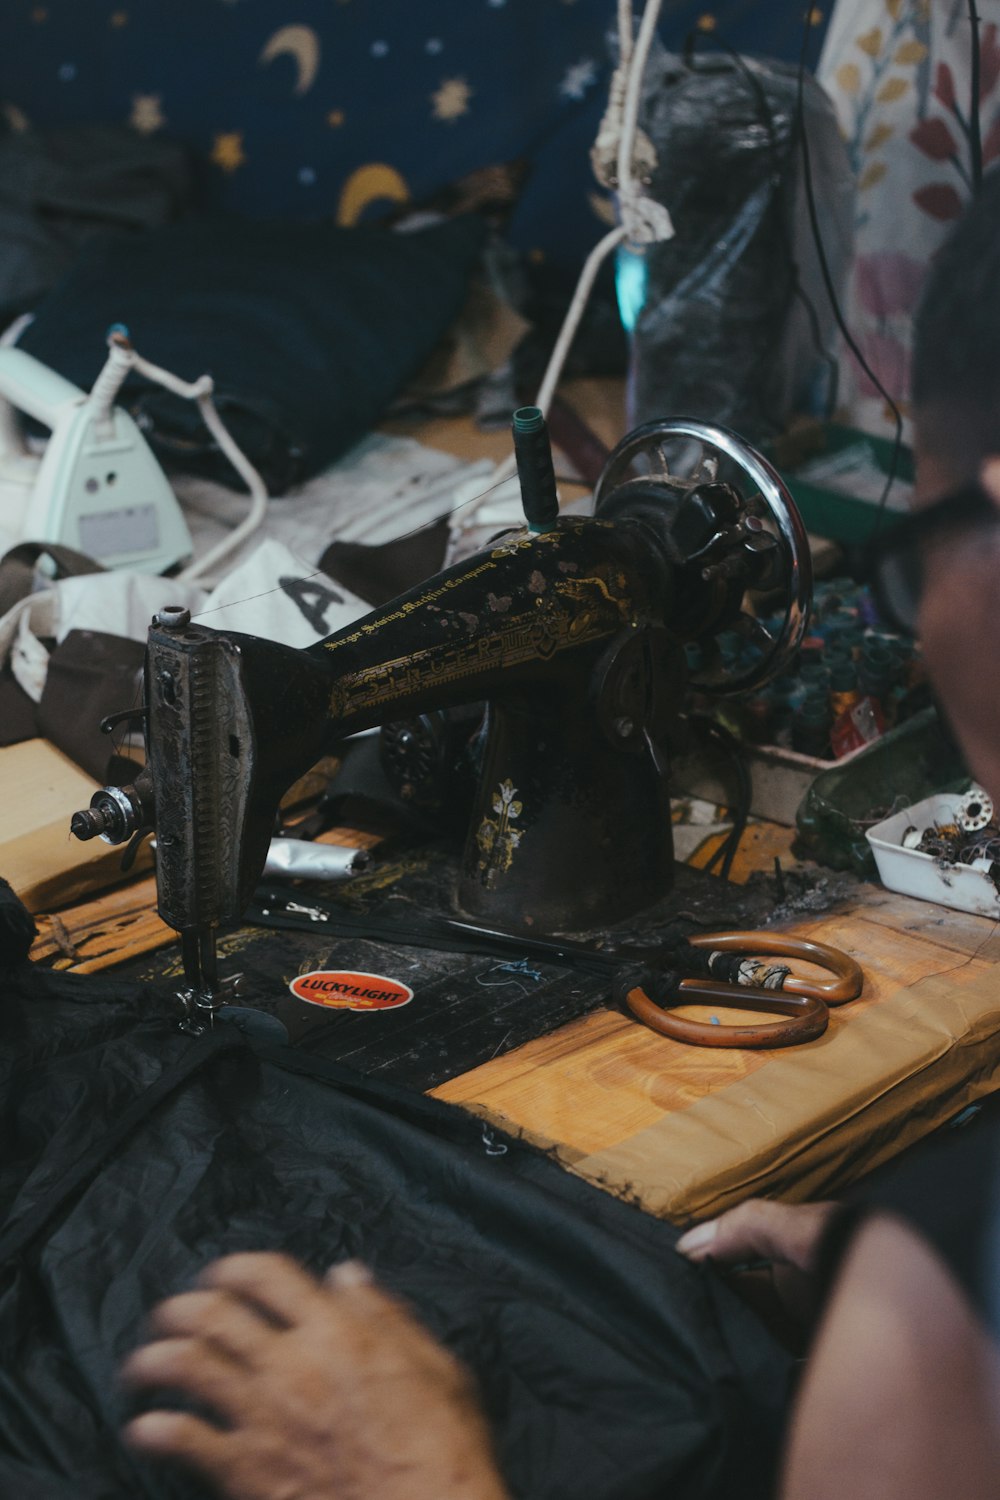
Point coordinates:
[[720, 326]]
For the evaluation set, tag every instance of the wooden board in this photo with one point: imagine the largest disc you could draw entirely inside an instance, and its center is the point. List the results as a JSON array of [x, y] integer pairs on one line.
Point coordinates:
[[689, 1131], [48, 868], [122, 924]]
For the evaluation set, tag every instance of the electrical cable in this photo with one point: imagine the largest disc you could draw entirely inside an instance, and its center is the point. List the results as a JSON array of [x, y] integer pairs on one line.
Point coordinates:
[[767, 116], [827, 276], [729, 745], [798, 290], [122, 359], [634, 54], [975, 134]]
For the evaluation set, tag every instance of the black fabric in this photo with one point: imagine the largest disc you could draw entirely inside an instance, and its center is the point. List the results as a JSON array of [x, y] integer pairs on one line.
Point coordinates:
[[377, 574], [17, 711], [59, 188], [19, 714], [610, 1368], [90, 675], [18, 568], [17, 928], [308, 330]]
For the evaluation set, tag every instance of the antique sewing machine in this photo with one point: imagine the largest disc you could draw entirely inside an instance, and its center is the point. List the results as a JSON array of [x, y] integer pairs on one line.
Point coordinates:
[[572, 632]]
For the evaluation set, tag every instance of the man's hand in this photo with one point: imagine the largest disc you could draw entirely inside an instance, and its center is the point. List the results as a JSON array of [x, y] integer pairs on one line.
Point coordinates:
[[320, 1390], [785, 1235]]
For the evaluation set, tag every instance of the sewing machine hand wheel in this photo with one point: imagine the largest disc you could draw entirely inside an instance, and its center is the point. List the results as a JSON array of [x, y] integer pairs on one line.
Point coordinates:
[[670, 465]]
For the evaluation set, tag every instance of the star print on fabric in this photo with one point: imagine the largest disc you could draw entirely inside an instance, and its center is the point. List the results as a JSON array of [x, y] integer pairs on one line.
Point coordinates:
[[433, 46], [452, 99], [67, 72], [335, 118], [380, 49], [15, 118], [578, 79], [227, 150], [147, 114], [604, 208], [118, 18]]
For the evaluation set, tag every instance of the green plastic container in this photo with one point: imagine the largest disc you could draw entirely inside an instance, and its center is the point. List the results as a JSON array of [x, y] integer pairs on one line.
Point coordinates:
[[906, 765], [834, 504]]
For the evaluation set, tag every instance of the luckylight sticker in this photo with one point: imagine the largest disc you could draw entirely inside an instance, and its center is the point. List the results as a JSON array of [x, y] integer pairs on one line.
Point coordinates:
[[343, 989]]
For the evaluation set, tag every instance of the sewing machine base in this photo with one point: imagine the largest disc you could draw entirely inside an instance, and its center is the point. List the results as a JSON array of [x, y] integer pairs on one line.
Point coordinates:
[[466, 1008]]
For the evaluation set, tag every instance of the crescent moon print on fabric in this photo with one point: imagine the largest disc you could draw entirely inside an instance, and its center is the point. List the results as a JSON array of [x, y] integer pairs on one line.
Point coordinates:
[[300, 42], [367, 185]]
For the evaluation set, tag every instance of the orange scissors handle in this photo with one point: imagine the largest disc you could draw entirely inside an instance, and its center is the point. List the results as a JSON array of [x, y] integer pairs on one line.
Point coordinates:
[[845, 985], [803, 1018], [801, 1003]]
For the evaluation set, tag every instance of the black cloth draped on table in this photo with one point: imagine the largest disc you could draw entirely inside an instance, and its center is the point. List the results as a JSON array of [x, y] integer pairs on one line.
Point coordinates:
[[611, 1369]]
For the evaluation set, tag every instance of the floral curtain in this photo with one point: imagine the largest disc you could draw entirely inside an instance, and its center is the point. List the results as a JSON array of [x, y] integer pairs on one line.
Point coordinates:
[[899, 73]]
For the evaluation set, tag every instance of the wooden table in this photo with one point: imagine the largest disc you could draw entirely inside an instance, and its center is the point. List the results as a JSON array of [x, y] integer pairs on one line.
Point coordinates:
[[685, 1130]]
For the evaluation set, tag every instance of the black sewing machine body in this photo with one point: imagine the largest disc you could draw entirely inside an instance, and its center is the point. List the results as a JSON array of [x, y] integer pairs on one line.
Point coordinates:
[[574, 640]]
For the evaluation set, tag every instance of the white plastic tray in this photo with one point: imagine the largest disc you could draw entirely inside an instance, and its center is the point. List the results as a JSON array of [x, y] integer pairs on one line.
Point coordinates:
[[914, 873]]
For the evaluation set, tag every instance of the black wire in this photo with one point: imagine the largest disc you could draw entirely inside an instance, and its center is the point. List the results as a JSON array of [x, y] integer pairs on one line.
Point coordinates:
[[975, 137], [824, 266], [730, 747], [767, 115]]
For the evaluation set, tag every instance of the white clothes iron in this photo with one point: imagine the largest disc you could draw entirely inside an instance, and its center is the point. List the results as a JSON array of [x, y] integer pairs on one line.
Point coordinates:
[[95, 486]]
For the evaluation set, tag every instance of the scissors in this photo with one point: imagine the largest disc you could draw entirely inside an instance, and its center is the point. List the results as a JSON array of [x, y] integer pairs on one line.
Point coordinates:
[[802, 1003]]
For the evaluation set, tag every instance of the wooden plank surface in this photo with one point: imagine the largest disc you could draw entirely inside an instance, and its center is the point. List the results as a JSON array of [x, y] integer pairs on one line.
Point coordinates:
[[47, 867], [689, 1130]]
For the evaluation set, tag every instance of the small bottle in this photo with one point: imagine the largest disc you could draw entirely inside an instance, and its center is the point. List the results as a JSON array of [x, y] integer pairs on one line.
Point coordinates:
[[816, 677], [811, 726], [843, 688], [786, 694]]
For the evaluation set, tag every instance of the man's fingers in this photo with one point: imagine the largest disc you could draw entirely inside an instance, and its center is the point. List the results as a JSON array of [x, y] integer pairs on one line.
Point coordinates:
[[273, 1283], [759, 1230], [989, 477], [176, 1434], [230, 1324], [192, 1368], [347, 1275]]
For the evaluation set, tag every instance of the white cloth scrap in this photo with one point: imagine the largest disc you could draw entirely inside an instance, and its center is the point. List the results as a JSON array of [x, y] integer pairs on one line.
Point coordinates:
[[382, 489], [273, 594]]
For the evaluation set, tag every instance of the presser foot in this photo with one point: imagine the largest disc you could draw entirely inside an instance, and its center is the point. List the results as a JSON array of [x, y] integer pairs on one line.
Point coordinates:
[[202, 995]]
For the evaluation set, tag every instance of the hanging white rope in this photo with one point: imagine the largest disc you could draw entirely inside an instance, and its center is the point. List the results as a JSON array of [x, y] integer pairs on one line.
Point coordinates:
[[623, 159]]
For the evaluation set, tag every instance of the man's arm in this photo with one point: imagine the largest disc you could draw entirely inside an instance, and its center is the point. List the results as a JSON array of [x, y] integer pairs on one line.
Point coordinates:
[[901, 1395], [900, 1399]]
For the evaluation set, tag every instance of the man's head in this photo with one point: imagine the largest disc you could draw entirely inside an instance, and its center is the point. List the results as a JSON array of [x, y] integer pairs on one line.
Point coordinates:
[[956, 401]]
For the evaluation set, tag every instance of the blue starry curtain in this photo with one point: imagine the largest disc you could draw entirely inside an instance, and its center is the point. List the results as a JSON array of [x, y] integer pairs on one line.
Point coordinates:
[[312, 109]]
